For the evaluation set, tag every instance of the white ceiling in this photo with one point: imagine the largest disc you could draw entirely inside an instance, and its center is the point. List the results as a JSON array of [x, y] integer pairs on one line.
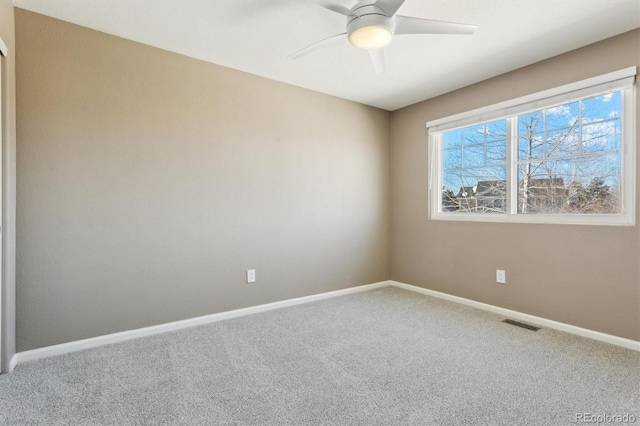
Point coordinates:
[[257, 35]]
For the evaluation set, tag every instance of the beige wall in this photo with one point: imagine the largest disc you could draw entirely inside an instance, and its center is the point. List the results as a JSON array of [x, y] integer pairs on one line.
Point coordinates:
[[149, 182], [8, 99], [587, 276]]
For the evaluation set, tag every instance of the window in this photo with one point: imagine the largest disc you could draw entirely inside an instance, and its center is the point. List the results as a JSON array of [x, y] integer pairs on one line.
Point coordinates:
[[561, 156]]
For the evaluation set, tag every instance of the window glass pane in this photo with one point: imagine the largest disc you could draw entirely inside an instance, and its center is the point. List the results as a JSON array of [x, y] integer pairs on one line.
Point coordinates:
[[452, 159], [496, 130], [474, 174], [606, 167], [601, 107], [474, 134], [588, 184], [452, 181], [530, 147], [600, 178], [496, 153], [529, 123], [562, 143], [601, 136], [477, 190], [452, 138], [473, 156], [562, 116], [574, 166], [539, 191]]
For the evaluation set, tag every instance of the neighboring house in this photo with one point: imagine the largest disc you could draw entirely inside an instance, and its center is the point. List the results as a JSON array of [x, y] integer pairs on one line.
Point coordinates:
[[543, 195], [486, 196], [538, 195]]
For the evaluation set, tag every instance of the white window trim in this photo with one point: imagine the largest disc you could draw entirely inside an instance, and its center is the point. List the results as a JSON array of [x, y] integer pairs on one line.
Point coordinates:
[[618, 80]]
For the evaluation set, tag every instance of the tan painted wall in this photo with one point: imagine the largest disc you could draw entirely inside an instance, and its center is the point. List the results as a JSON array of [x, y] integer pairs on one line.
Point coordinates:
[[7, 310], [587, 276], [149, 182]]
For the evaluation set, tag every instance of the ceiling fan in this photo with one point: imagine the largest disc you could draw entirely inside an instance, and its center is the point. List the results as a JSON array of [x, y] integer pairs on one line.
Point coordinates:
[[371, 24]]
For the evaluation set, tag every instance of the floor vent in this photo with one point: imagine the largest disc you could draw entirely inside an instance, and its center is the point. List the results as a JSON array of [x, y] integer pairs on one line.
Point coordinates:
[[521, 324]]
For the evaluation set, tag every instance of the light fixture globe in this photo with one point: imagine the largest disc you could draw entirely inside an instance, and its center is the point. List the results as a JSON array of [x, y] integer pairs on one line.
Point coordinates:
[[371, 31], [370, 37]]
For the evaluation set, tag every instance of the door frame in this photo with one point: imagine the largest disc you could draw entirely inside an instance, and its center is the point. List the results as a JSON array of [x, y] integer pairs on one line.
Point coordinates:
[[3, 54]]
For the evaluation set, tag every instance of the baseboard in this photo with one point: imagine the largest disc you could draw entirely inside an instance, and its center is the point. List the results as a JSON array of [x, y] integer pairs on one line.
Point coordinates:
[[584, 332], [107, 339], [94, 342], [3, 48], [13, 363]]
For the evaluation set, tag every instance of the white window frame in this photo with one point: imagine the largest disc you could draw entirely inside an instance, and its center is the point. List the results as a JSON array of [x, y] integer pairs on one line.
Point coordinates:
[[622, 80]]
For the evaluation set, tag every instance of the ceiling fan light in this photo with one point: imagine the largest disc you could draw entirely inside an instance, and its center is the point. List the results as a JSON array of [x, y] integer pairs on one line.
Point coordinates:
[[370, 37]]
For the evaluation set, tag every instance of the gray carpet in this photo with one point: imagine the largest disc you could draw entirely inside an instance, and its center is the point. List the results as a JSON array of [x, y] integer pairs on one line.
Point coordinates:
[[386, 356]]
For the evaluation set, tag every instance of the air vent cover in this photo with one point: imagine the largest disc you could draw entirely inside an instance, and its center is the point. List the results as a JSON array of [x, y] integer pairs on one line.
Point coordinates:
[[521, 324]]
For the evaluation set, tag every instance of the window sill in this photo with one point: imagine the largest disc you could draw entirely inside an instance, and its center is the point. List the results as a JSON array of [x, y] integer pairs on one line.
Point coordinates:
[[564, 219]]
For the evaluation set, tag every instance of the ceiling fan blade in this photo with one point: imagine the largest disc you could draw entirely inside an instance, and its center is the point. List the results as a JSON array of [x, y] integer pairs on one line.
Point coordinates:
[[390, 7], [410, 25], [314, 46], [377, 59], [337, 9]]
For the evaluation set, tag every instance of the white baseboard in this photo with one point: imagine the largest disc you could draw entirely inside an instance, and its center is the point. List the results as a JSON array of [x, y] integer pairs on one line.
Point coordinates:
[[596, 335], [13, 363], [93, 342], [3, 48], [107, 339]]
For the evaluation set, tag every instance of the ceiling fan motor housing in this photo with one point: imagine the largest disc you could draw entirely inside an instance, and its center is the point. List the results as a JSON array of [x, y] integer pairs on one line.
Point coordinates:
[[367, 17]]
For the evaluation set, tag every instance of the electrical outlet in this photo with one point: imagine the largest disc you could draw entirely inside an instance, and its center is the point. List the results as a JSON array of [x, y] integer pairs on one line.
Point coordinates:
[[501, 276], [251, 275]]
